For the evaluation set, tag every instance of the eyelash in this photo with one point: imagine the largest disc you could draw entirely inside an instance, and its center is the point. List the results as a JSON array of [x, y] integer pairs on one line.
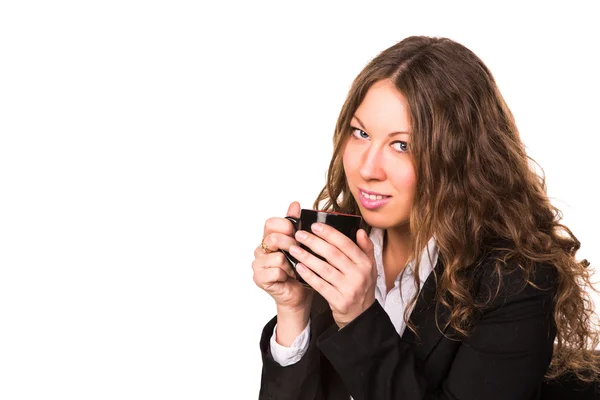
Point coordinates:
[[353, 129]]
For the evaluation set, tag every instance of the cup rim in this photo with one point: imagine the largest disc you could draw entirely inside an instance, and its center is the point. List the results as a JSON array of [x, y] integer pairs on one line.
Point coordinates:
[[334, 213]]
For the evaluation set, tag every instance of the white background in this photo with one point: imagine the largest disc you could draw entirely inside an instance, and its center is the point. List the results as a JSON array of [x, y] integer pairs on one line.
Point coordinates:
[[144, 144]]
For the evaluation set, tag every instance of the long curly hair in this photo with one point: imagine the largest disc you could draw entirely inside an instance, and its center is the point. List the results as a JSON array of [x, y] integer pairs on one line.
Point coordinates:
[[467, 152]]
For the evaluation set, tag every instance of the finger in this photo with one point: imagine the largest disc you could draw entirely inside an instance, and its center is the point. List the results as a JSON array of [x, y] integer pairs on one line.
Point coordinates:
[[328, 251], [340, 241], [282, 225], [269, 276], [365, 243], [278, 224], [294, 210], [272, 260], [278, 241], [327, 272], [325, 289]]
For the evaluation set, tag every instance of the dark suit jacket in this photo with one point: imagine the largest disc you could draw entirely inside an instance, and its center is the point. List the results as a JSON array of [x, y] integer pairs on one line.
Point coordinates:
[[505, 356]]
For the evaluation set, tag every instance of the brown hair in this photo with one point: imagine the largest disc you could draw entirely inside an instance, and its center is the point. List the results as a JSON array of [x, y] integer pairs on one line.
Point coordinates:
[[467, 152]]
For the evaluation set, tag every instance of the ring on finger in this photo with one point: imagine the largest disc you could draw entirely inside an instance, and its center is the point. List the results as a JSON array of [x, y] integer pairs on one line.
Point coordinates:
[[265, 248]]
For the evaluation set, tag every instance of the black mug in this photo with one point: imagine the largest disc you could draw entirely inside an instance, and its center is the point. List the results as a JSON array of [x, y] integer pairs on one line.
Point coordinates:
[[345, 223]]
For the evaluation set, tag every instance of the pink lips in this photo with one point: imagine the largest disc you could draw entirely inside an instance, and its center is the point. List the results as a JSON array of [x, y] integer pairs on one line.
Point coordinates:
[[372, 204]]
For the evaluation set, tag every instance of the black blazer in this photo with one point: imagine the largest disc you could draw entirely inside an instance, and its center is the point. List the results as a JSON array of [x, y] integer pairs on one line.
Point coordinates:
[[505, 357]]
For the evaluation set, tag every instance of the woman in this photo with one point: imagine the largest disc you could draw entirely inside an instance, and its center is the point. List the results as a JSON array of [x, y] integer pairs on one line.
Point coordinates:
[[464, 284]]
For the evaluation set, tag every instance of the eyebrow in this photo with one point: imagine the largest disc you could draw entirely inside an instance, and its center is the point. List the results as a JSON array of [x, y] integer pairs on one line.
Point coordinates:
[[389, 135]]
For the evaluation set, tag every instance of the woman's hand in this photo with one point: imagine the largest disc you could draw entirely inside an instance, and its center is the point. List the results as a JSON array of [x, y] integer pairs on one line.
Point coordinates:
[[347, 280], [272, 271]]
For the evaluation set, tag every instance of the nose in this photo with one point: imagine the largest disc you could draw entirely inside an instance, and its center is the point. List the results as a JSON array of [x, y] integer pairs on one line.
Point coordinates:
[[372, 163]]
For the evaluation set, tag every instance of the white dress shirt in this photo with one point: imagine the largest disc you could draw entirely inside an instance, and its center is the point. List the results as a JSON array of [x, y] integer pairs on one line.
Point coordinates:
[[393, 302]]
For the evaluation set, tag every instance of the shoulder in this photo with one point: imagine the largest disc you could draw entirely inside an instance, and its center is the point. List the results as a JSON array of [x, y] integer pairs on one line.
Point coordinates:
[[499, 279]]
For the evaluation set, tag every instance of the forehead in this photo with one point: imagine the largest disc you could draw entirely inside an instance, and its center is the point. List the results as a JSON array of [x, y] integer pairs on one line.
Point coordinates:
[[384, 109]]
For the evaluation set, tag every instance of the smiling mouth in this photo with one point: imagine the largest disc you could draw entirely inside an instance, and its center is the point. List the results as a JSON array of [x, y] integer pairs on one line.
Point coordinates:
[[372, 196]]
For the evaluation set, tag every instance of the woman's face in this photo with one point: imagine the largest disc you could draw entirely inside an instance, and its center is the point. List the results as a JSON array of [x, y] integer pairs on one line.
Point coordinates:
[[376, 159]]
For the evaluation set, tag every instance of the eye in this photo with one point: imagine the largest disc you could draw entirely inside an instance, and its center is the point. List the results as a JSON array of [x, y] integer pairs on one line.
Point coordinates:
[[399, 145], [402, 146], [358, 133]]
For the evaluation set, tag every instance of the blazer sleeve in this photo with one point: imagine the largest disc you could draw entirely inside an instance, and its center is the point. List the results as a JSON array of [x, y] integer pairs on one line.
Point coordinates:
[[293, 382], [312, 377], [505, 356]]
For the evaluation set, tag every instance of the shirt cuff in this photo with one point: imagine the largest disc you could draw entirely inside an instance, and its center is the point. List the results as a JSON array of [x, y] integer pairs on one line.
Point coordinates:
[[285, 356]]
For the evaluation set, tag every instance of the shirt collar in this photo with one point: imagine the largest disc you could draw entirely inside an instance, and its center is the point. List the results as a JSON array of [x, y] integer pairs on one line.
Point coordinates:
[[426, 266]]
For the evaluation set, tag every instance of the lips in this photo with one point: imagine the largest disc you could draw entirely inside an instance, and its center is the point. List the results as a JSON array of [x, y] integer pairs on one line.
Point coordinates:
[[372, 200], [372, 195]]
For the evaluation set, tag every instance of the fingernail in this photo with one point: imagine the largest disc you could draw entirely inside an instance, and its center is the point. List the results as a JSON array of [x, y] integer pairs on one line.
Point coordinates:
[[295, 250], [316, 227], [301, 235]]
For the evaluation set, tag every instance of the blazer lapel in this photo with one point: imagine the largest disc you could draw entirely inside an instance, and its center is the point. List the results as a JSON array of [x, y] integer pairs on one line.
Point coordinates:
[[423, 318]]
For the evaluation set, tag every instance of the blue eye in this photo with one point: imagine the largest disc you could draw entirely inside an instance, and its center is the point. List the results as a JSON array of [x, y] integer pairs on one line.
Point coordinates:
[[403, 146], [361, 134], [399, 145]]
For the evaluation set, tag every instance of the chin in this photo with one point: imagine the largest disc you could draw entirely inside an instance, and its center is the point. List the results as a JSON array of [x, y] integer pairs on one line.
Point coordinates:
[[375, 221], [383, 220]]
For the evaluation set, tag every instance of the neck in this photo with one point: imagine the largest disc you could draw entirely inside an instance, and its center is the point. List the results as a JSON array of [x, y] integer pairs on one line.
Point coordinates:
[[396, 249], [397, 241]]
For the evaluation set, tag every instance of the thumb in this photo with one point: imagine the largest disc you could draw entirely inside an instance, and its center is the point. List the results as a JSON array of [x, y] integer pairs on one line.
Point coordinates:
[[364, 242], [294, 210]]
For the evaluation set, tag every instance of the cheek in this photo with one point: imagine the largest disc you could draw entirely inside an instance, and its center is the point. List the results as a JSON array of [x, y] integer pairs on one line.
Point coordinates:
[[348, 161], [404, 177]]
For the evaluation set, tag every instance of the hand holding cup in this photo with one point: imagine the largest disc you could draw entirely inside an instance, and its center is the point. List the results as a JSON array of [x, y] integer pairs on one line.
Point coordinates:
[[272, 271]]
